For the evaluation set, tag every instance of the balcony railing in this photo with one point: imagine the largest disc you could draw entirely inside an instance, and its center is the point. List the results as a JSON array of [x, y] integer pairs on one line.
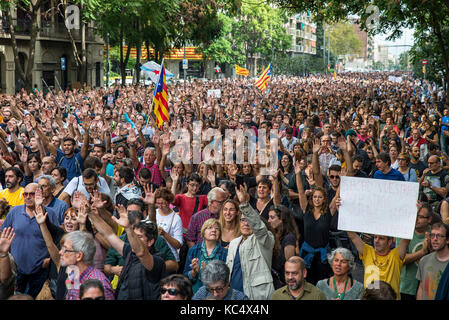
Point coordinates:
[[47, 30], [59, 30], [21, 26]]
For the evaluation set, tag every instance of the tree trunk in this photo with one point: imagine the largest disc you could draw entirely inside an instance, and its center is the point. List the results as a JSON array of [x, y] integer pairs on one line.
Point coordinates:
[[27, 74], [83, 67]]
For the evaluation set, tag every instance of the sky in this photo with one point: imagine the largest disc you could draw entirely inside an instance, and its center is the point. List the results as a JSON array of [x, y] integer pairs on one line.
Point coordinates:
[[406, 39]]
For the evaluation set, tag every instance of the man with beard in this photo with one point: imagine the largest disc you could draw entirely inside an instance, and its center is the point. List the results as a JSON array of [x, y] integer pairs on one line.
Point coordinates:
[[14, 192], [432, 266], [297, 287], [127, 189]]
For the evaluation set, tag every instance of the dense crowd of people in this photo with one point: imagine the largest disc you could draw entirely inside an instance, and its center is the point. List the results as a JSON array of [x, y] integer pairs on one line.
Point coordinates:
[[95, 204]]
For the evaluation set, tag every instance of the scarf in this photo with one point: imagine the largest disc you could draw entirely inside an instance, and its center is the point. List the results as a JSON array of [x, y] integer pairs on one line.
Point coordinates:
[[130, 191]]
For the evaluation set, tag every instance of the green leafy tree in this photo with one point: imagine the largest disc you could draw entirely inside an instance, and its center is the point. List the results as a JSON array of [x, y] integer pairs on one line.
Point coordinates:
[[344, 40], [256, 30], [426, 17]]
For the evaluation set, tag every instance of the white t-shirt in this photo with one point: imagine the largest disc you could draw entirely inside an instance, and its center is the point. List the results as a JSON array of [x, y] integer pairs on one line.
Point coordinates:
[[171, 224], [76, 184]]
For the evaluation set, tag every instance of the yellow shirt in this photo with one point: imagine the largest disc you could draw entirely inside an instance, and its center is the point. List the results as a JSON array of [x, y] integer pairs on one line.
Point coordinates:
[[386, 268], [15, 198]]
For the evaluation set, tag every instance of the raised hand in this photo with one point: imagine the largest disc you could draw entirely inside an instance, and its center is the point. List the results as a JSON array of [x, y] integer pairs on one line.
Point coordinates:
[[316, 146], [40, 215], [77, 199], [6, 239], [24, 155], [132, 138], [83, 212], [97, 202], [123, 220], [297, 167], [38, 198], [150, 194], [174, 176], [211, 176], [242, 194], [341, 143]]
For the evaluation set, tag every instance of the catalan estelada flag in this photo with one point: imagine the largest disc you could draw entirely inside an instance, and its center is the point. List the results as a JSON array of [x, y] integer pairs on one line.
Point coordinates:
[[262, 82], [241, 71], [161, 99]]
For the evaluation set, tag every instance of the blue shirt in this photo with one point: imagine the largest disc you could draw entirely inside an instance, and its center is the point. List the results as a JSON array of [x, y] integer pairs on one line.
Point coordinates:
[[232, 294], [60, 207], [73, 165], [237, 275], [28, 247], [445, 120], [393, 174]]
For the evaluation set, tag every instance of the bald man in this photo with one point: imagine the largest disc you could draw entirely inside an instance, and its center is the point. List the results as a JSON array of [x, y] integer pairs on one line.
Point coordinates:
[[28, 247]]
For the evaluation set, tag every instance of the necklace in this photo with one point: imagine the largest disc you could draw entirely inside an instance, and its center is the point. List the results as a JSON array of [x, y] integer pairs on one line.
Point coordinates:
[[340, 296]]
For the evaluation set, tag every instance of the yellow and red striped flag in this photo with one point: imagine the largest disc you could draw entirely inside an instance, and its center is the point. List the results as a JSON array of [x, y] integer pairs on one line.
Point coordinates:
[[241, 71], [262, 82], [161, 98]]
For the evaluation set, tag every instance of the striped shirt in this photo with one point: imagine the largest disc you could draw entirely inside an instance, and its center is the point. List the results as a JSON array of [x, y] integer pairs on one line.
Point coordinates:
[[196, 222], [92, 273]]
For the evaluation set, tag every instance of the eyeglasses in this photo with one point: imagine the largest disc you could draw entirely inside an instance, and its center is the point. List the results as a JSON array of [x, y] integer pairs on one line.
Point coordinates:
[[437, 235], [29, 194], [220, 202], [120, 151], [217, 289], [97, 298], [334, 177], [64, 250], [171, 291], [423, 217], [243, 220]]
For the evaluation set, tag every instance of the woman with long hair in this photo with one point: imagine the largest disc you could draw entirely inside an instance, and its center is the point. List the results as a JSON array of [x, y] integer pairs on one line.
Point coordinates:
[[230, 222], [317, 224], [60, 175], [286, 236]]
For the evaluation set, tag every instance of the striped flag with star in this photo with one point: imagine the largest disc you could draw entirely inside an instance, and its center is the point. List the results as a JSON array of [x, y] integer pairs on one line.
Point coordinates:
[[161, 98], [241, 71], [262, 82]]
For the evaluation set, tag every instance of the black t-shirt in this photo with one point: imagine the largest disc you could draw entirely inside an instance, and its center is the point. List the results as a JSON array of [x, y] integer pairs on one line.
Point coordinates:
[[279, 261], [154, 276], [316, 232], [419, 166], [292, 186], [264, 212]]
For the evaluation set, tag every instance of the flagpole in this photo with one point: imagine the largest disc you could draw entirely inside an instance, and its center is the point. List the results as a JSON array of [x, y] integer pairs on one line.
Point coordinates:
[[155, 87]]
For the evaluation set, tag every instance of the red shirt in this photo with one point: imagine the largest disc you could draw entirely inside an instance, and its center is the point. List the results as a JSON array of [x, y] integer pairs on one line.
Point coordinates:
[[186, 206], [418, 144]]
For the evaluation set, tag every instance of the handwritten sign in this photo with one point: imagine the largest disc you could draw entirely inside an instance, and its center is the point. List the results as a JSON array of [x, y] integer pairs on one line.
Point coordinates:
[[215, 93], [381, 207]]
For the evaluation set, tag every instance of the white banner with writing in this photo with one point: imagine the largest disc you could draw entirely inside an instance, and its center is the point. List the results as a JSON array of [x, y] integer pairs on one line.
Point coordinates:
[[381, 207]]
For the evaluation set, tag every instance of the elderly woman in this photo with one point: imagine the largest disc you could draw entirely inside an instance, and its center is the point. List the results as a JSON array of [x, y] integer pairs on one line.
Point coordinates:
[[216, 284], [249, 256], [341, 286], [176, 287], [202, 253]]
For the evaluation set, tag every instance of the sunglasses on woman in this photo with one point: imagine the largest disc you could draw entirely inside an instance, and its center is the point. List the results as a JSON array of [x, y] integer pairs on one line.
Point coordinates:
[[171, 291]]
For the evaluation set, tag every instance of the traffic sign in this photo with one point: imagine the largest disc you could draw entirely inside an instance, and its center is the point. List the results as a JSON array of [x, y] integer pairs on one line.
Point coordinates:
[[424, 62], [185, 64]]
